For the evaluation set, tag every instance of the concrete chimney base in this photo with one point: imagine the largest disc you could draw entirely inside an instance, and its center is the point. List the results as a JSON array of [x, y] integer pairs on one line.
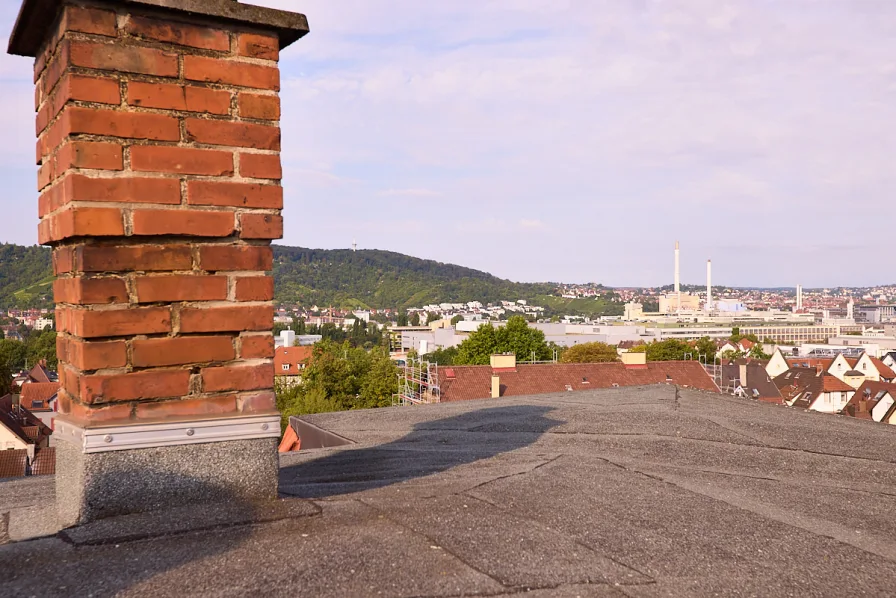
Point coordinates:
[[93, 486]]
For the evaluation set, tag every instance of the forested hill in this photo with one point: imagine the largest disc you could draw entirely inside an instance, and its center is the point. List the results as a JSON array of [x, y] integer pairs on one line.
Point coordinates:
[[374, 278], [337, 277], [26, 276]]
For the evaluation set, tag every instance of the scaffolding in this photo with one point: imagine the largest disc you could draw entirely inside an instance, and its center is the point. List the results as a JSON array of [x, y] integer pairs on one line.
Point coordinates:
[[418, 383]]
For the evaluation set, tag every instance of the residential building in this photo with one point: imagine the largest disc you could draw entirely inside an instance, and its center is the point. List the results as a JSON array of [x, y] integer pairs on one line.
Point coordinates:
[[507, 378], [750, 380], [290, 362], [875, 401], [813, 389], [40, 399]]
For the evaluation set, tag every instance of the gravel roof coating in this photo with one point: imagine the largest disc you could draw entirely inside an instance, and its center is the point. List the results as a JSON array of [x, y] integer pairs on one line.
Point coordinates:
[[617, 492]]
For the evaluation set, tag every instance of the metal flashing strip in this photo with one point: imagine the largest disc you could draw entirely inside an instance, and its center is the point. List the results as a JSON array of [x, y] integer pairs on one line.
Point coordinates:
[[119, 438]]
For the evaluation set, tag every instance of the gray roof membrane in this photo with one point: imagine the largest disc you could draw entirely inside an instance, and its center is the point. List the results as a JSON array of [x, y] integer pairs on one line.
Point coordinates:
[[617, 492]]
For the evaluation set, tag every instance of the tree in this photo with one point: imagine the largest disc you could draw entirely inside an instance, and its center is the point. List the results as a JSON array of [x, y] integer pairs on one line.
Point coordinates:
[[415, 319], [456, 319], [735, 334], [5, 380], [301, 329], [478, 348], [431, 317], [707, 348], [42, 347], [590, 353], [668, 350], [514, 337], [340, 377], [757, 352], [444, 356], [402, 319], [13, 353]]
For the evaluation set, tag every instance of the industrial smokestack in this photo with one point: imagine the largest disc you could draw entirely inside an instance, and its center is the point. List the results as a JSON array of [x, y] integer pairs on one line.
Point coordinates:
[[799, 297], [708, 286]]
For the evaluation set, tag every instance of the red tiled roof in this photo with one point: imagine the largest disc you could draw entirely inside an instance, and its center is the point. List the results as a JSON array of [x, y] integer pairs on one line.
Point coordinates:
[[800, 386], [13, 463], [40, 392], [834, 384], [290, 356], [853, 407], [39, 373], [290, 441], [474, 381], [44, 462], [883, 369], [809, 362]]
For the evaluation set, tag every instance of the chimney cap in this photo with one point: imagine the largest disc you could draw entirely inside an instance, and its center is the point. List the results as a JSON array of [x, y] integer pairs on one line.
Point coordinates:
[[37, 16]]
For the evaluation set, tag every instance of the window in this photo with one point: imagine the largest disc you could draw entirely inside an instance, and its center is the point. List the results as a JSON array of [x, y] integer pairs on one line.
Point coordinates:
[[37, 404], [285, 367]]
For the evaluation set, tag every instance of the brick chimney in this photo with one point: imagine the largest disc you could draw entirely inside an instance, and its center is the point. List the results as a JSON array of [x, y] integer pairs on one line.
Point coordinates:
[[159, 178]]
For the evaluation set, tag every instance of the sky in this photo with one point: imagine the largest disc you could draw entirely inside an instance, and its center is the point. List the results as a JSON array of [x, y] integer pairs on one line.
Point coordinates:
[[575, 141]]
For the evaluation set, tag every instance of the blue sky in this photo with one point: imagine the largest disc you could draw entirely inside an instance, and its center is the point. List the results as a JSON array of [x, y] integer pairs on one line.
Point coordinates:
[[576, 140]]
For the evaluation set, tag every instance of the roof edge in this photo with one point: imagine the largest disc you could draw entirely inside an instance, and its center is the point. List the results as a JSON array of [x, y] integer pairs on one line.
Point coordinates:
[[37, 16]]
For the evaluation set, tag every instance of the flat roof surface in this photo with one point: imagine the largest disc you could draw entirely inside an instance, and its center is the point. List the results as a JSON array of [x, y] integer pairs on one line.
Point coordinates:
[[615, 492]]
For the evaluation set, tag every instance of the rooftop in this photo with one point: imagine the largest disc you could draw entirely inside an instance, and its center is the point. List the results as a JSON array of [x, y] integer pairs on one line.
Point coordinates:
[[616, 492]]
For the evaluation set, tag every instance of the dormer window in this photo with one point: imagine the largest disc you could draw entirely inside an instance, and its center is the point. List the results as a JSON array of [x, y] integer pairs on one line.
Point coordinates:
[[285, 367]]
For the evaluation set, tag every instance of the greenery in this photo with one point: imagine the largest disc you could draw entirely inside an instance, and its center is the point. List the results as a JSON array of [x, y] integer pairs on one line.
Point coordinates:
[[381, 279], [26, 276], [37, 346], [707, 348], [514, 337], [590, 353], [339, 278], [667, 350], [446, 356], [340, 377]]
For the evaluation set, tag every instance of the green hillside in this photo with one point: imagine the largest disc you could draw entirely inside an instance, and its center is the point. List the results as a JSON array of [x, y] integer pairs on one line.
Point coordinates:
[[338, 277], [26, 276], [377, 279]]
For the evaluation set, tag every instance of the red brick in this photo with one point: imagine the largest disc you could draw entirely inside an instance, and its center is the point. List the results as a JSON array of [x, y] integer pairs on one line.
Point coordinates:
[[180, 160], [183, 350], [254, 288], [44, 175], [257, 346], [69, 379], [187, 408], [261, 226], [139, 258], [226, 319], [89, 20], [82, 291], [120, 322], [92, 355], [236, 134], [244, 195], [56, 68], [123, 59], [266, 47], [183, 222], [100, 415], [152, 289], [257, 402], [99, 90], [261, 166], [89, 154], [259, 106], [153, 384], [179, 33], [167, 96], [235, 257], [79, 187], [62, 260], [113, 123], [231, 72], [81, 222], [221, 379]]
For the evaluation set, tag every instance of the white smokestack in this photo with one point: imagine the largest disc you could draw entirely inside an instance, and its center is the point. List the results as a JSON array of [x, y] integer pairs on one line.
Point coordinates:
[[850, 309], [799, 297], [708, 286]]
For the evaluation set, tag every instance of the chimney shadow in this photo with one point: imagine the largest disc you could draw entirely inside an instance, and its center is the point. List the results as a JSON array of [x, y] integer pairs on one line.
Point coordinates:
[[430, 448], [117, 555]]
